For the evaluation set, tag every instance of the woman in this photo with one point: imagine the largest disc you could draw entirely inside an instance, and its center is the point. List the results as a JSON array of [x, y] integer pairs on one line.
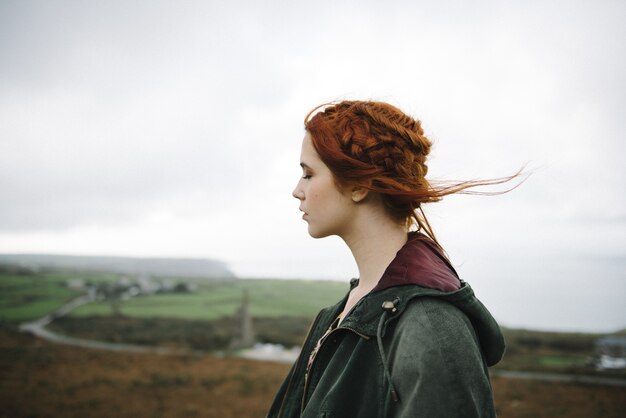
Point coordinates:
[[409, 339]]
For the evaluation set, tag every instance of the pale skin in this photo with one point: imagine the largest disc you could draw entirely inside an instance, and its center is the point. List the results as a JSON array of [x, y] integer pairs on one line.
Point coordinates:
[[353, 213]]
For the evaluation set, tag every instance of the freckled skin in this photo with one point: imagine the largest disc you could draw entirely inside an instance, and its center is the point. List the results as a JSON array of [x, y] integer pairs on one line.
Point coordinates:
[[328, 210]]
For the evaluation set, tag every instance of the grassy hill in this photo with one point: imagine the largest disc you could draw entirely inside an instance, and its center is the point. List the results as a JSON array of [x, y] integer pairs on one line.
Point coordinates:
[[268, 298]]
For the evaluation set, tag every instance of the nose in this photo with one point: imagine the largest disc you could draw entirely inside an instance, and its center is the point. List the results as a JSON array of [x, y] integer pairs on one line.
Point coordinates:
[[297, 192]]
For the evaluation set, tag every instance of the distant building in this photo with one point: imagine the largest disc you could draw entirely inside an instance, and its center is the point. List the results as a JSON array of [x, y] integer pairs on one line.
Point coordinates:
[[78, 284], [610, 352], [147, 285], [123, 282]]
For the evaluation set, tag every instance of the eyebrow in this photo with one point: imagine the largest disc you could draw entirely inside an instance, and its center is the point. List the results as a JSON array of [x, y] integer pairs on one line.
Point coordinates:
[[303, 165]]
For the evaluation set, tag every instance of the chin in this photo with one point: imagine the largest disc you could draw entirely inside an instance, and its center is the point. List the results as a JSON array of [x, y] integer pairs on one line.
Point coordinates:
[[317, 234]]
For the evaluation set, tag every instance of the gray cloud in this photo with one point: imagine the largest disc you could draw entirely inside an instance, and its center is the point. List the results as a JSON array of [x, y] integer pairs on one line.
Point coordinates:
[[114, 110], [111, 108]]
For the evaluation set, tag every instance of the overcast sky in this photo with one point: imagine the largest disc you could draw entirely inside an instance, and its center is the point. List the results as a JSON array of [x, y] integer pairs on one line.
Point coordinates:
[[152, 128]]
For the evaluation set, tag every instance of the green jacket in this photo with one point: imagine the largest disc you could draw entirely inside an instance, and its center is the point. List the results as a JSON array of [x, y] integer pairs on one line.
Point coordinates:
[[404, 350]]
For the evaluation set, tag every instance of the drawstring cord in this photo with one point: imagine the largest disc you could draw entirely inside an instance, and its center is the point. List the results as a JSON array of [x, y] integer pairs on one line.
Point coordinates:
[[388, 307]]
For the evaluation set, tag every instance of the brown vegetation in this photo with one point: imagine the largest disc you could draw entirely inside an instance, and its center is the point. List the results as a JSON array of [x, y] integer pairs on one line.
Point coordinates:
[[40, 379], [531, 399]]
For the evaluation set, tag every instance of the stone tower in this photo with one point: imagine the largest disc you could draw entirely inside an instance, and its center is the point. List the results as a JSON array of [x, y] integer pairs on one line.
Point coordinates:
[[243, 331]]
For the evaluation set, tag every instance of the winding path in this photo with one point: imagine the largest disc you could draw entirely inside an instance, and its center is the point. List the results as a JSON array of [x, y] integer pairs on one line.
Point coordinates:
[[38, 328]]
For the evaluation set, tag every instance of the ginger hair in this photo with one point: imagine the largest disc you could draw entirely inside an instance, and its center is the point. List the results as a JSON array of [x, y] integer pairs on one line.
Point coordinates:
[[376, 146]]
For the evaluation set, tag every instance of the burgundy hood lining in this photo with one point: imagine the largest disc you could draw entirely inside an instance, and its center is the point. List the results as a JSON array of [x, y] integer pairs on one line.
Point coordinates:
[[422, 262]]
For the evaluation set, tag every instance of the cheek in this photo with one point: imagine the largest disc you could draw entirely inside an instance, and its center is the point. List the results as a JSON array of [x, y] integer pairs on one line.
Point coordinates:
[[321, 193], [313, 193]]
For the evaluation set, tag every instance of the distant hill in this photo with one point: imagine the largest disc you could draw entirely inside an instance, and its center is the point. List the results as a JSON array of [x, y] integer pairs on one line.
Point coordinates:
[[176, 267]]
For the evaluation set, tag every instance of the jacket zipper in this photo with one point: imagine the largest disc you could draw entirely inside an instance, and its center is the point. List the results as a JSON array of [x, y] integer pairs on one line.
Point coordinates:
[[314, 353]]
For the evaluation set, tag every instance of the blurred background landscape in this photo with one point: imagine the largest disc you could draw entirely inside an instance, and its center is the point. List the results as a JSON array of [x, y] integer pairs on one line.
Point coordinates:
[[102, 336], [152, 259]]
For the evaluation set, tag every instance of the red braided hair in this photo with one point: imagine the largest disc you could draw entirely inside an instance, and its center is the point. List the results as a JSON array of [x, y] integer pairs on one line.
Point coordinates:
[[377, 146]]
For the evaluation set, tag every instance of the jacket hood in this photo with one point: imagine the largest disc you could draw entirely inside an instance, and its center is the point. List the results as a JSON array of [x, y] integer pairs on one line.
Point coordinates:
[[420, 269]]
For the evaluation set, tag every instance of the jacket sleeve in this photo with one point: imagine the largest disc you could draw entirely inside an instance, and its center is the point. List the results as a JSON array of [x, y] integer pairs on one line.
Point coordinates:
[[436, 364]]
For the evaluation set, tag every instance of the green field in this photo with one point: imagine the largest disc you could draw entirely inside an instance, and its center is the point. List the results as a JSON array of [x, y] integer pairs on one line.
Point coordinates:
[[268, 298], [29, 296], [202, 319]]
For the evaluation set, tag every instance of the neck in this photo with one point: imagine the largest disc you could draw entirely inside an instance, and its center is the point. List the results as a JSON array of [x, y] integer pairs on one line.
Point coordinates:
[[374, 245]]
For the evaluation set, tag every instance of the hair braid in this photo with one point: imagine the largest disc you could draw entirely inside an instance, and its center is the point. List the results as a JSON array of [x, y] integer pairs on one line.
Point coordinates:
[[377, 146]]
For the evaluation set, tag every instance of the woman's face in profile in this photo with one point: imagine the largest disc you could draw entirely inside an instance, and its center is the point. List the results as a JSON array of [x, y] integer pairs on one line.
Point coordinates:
[[327, 209]]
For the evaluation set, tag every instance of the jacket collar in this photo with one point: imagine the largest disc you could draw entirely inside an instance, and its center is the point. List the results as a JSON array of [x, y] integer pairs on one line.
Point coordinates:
[[370, 312], [420, 268], [420, 261], [365, 315]]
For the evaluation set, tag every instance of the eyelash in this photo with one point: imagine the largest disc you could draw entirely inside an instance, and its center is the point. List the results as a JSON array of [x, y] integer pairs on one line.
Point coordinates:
[[306, 176]]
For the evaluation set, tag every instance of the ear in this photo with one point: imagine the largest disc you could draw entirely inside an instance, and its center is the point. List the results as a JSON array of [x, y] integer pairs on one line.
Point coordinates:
[[359, 193]]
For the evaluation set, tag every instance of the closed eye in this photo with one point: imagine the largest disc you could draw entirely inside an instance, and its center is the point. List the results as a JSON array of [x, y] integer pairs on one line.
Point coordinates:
[[306, 170]]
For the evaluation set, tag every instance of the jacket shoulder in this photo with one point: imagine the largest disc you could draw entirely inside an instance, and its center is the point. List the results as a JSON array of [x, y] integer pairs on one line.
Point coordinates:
[[435, 317], [436, 332], [436, 362]]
